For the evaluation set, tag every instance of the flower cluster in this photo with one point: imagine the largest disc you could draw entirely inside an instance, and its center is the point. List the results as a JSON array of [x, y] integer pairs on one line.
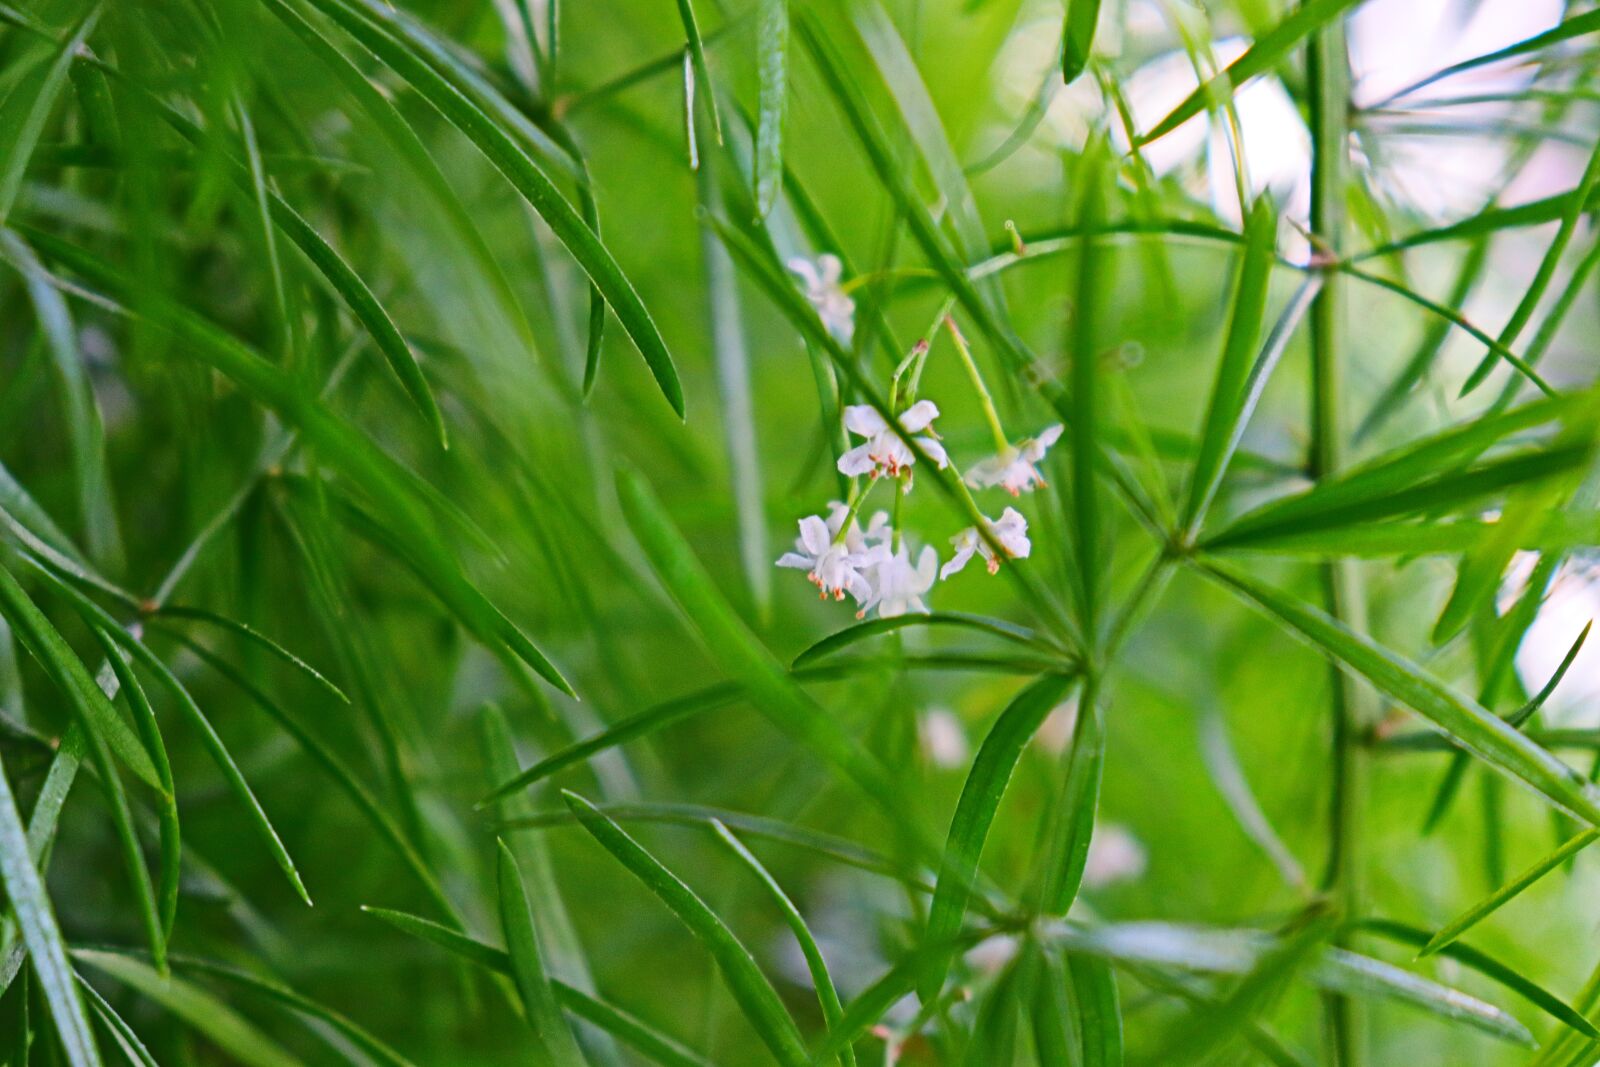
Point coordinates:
[[876, 565]]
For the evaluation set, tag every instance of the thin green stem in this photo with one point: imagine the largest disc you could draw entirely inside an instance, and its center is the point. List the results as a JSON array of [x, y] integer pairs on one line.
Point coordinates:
[[1002, 442], [1329, 81]]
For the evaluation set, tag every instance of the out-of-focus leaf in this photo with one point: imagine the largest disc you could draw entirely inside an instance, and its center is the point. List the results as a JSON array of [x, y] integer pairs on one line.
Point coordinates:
[[772, 67], [1480, 732], [1268, 50], [1077, 37], [221, 1025], [975, 813], [750, 988]]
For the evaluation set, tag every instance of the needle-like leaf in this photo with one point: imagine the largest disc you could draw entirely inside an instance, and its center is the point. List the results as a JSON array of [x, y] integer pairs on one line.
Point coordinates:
[[975, 814], [750, 988]]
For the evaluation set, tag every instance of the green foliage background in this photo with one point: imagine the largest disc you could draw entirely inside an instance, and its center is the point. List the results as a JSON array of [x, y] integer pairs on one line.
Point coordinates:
[[263, 257]]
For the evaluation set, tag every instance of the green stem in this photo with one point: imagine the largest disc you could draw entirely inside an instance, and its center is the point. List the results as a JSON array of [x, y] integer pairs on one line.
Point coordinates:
[[1002, 442], [1329, 79]]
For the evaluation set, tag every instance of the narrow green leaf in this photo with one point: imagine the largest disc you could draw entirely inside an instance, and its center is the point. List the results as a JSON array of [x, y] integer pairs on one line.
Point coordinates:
[[1494, 901], [167, 803], [26, 893], [836, 642], [126, 1039], [626, 1028], [698, 816], [340, 773], [97, 616], [85, 433], [256, 637], [404, 497], [750, 988], [1478, 731], [558, 941], [1546, 272], [27, 108], [1491, 968], [731, 353], [1268, 50], [1083, 427], [821, 979], [975, 813], [1428, 348], [1077, 37], [772, 68], [1072, 819], [1238, 384], [1219, 951], [553, 1040], [702, 69], [281, 994], [1576, 26], [1094, 992], [1208, 1032], [1053, 1017], [221, 1025], [1451, 782], [525, 176], [90, 706]]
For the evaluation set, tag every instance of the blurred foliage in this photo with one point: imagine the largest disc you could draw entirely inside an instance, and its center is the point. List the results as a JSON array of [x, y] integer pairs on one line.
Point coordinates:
[[323, 413]]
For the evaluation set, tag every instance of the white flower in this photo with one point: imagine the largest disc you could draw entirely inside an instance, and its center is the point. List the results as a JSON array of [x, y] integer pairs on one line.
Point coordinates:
[[1015, 469], [897, 586], [943, 738], [834, 307], [885, 452], [834, 569], [1012, 533], [1115, 855], [856, 539]]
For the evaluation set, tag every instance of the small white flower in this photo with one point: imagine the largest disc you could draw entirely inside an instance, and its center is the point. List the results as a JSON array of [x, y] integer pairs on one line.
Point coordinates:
[[835, 569], [943, 738], [1012, 533], [897, 586], [834, 307], [1115, 855], [1016, 469], [878, 531], [884, 451]]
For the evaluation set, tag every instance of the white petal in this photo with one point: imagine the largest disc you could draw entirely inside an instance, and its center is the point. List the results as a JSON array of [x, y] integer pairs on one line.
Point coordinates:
[[863, 420], [814, 535], [859, 588], [830, 269], [935, 451], [919, 415], [857, 461], [795, 560], [806, 270], [988, 472], [956, 562], [1033, 450], [927, 564]]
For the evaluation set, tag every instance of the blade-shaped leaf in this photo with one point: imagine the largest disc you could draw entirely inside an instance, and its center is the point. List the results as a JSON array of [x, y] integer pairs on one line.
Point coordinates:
[[508, 156], [1480, 732], [1077, 37], [750, 988], [975, 813], [1238, 385], [25, 891], [821, 979], [1268, 51], [221, 1025], [1494, 901], [550, 1031], [626, 1028]]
